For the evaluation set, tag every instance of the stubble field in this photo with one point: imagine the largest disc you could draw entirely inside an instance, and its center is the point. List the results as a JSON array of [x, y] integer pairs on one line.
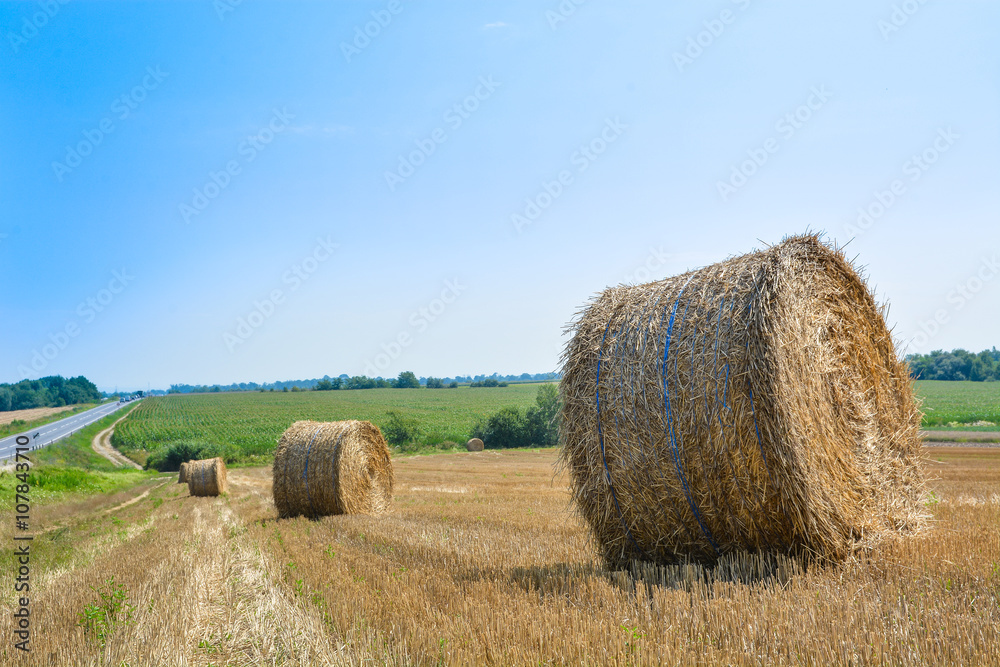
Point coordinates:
[[482, 562]]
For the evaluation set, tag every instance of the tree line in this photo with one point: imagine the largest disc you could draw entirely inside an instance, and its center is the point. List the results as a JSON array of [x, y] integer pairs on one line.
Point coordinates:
[[53, 391], [327, 383], [956, 365]]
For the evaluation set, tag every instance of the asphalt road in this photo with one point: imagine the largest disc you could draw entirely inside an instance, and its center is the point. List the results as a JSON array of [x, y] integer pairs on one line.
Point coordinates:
[[46, 435]]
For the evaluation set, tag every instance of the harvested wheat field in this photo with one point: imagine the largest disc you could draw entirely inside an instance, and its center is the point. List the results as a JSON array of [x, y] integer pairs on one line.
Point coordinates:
[[482, 561]]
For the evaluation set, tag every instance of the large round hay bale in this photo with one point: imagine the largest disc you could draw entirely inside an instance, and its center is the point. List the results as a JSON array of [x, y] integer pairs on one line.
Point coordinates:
[[323, 468], [756, 405], [207, 477], [475, 445], [182, 474]]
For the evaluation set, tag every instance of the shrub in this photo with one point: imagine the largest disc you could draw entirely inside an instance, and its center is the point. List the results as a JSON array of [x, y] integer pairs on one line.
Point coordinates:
[[504, 429], [400, 430], [488, 382], [537, 426], [453, 385], [170, 457]]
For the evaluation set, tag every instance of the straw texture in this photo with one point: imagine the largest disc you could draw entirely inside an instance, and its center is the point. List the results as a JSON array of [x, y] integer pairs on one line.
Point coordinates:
[[207, 477], [752, 405], [182, 475], [323, 468], [475, 445]]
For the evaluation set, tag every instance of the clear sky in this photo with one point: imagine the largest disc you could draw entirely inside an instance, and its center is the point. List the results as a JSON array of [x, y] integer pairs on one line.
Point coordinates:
[[445, 184]]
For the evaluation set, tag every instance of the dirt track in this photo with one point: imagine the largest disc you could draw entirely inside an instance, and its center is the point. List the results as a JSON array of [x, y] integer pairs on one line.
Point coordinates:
[[102, 445]]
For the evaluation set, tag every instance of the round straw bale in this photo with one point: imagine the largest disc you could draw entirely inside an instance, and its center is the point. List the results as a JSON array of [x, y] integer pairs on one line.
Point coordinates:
[[323, 468], [207, 477], [475, 445], [182, 475], [756, 404]]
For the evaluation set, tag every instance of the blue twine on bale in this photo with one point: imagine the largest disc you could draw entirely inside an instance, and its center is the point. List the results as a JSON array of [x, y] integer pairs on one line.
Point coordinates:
[[649, 426], [305, 472], [600, 438], [670, 425]]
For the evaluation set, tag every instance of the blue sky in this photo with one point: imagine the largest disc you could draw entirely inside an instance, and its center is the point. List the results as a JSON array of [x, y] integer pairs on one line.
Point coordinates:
[[280, 195]]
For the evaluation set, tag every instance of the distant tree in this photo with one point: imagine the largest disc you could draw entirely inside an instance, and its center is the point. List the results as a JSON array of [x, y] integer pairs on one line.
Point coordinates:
[[51, 391], [324, 385], [537, 426], [296, 388], [434, 383], [956, 365], [503, 429], [284, 389], [453, 385], [406, 380], [543, 417]]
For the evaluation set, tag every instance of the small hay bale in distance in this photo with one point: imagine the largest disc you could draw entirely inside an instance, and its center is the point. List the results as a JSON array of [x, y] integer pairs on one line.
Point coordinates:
[[207, 477], [753, 405], [182, 474], [475, 445], [323, 468]]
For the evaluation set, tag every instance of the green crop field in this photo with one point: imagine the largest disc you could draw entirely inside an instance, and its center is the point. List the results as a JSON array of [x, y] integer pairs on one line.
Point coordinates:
[[249, 424], [960, 404]]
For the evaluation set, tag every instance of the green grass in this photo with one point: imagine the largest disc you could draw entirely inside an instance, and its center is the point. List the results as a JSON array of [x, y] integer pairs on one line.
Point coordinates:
[[14, 429], [71, 467], [251, 422], [959, 404], [55, 483]]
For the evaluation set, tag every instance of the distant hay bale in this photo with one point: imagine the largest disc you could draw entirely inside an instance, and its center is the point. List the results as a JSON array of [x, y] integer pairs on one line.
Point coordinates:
[[323, 468], [475, 445], [182, 475], [753, 405], [207, 477]]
